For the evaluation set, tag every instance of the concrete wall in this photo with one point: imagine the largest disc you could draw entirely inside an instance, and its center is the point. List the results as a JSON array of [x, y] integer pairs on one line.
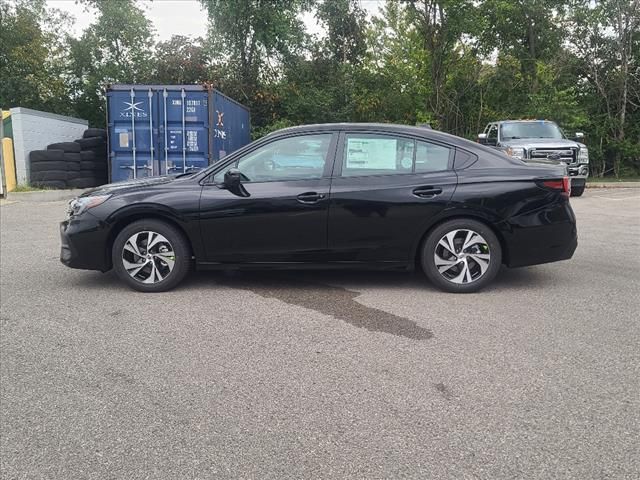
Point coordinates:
[[34, 130]]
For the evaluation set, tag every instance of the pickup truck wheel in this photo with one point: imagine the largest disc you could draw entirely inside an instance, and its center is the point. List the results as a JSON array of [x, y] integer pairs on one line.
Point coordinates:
[[577, 191]]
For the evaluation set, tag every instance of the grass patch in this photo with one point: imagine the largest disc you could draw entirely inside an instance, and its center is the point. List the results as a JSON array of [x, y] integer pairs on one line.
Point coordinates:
[[29, 188]]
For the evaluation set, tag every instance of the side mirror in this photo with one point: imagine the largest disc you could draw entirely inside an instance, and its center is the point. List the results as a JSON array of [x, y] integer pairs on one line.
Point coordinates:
[[233, 182], [482, 138], [579, 135]]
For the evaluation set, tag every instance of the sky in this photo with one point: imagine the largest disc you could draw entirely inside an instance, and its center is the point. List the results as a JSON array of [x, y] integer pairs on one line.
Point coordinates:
[[176, 17]]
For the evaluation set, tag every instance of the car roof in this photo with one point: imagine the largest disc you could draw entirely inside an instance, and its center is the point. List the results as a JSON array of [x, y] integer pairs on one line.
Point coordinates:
[[417, 131]]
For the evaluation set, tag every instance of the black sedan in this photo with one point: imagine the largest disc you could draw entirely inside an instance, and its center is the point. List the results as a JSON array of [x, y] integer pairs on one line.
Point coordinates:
[[331, 196]]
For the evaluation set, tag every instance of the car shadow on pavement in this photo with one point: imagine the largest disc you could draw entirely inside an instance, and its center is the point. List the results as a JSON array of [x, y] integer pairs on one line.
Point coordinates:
[[507, 279], [308, 280]]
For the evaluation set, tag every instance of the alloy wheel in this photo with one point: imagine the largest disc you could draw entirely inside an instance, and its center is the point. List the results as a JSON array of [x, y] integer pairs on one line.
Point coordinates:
[[148, 257], [462, 256]]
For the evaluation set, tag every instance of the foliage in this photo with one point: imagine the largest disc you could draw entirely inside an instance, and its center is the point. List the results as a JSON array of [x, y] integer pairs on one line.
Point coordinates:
[[251, 37], [456, 64], [181, 60], [116, 48], [30, 57]]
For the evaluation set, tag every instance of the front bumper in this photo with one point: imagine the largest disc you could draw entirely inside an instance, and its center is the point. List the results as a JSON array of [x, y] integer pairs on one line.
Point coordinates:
[[578, 175], [84, 243]]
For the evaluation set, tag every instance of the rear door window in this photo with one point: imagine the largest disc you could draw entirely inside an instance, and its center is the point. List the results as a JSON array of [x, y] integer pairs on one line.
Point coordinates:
[[431, 157], [373, 154], [370, 154]]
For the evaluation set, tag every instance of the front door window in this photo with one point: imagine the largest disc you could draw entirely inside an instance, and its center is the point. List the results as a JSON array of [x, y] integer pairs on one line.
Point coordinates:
[[294, 158]]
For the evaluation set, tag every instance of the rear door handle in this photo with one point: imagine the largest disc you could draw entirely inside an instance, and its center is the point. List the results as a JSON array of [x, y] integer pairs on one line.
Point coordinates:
[[310, 197], [427, 192]]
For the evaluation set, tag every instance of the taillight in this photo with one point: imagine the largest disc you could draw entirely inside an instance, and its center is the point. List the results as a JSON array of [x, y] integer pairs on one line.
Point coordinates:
[[563, 185]]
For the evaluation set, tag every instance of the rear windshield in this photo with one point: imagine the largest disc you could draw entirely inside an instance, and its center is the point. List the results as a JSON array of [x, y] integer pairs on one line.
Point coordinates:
[[510, 131]]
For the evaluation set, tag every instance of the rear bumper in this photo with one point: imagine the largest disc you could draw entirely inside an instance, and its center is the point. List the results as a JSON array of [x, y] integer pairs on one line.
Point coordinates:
[[83, 243], [544, 236]]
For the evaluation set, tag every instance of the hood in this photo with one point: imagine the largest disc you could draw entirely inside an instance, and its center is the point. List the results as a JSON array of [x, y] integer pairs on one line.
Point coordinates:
[[541, 143], [129, 185]]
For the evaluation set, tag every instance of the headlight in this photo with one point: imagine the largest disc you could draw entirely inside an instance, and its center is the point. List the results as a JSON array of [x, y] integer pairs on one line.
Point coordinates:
[[583, 155], [82, 204], [515, 152]]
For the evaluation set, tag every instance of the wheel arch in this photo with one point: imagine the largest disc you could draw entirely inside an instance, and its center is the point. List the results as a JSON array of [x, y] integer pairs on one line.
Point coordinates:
[[478, 217], [124, 219]]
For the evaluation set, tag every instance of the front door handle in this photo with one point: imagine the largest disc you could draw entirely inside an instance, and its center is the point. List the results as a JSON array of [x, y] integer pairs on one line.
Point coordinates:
[[310, 197], [427, 192]]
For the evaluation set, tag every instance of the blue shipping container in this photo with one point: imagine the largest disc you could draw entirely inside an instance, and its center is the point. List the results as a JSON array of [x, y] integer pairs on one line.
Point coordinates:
[[166, 129]]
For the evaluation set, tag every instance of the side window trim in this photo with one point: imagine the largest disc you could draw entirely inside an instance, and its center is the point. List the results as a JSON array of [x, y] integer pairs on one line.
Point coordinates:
[[328, 165]]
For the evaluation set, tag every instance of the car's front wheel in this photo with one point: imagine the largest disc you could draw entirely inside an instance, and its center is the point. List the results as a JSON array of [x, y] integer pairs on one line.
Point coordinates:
[[151, 256], [461, 256]]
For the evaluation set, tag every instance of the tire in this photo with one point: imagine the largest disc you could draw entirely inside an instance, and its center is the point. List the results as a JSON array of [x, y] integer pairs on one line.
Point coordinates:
[[46, 155], [99, 154], [93, 165], [48, 175], [58, 184], [87, 155], [94, 132], [175, 242], [73, 166], [82, 182], [65, 147], [45, 166], [454, 279], [90, 142], [577, 191]]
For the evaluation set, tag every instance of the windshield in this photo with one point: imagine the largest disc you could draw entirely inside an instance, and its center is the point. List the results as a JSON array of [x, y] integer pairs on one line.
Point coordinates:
[[509, 131]]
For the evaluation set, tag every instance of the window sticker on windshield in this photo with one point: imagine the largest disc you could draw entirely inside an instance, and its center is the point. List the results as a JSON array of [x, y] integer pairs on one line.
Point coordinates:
[[371, 153]]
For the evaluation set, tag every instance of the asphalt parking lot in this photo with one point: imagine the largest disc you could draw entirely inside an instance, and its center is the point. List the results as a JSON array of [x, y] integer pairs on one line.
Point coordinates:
[[323, 375]]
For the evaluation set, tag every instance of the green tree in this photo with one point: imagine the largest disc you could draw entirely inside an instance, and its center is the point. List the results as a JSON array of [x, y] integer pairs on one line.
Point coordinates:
[[319, 85], [117, 47], [441, 26], [606, 39], [252, 37], [181, 60], [530, 31], [31, 57], [344, 22], [389, 82]]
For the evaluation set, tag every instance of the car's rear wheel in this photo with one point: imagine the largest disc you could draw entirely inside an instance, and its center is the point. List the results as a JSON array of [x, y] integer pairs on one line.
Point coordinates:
[[461, 256], [151, 256]]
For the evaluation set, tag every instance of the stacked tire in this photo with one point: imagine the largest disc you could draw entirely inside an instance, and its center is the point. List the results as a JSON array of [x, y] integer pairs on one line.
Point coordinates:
[[78, 164], [50, 168], [93, 169]]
